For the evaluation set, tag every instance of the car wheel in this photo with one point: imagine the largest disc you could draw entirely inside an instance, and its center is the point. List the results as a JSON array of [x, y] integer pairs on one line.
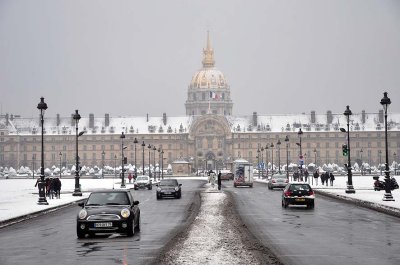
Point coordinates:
[[311, 205], [130, 229], [158, 197], [285, 204]]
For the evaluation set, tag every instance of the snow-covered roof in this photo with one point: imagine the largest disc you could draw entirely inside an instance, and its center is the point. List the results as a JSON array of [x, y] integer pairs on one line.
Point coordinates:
[[181, 124]]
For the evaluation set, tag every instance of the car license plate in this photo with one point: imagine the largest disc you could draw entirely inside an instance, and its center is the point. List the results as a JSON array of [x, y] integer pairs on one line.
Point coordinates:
[[108, 224], [167, 192], [300, 200]]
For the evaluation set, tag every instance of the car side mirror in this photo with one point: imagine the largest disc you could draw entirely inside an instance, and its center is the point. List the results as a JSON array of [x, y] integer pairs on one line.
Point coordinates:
[[81, 204], [135, 202], [180, 185]]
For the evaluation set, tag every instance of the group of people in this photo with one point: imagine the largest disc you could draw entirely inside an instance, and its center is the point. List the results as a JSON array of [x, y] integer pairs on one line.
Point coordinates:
[[52, 187], [325, 177]]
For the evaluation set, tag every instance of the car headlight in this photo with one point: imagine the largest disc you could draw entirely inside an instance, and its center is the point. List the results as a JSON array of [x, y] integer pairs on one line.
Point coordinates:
[[158, 189], [176, 188], [125, 213], [82, 214]]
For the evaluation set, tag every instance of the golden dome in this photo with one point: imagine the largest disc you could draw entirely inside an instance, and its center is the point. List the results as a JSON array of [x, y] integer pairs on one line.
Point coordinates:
[[208, 76]]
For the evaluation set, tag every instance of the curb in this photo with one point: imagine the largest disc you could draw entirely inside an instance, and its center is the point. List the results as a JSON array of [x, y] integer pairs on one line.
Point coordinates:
[[370, 205]]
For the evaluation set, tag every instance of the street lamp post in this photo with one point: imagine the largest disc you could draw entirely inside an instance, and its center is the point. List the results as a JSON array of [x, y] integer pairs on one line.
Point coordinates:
[[350, 188], [162, 164], [385, 102], [362, 164], [33, 166], [154, 162], [258, 161], [123, 160], [143, 145], [279, 155], [42, 106], [266, 159], [60, 154], [262, 161], [149, 146], [380, 160], [102, 161], [394, 162], [77, 190], [159, 163], [299, 133], [115, 169], [135, 142], [287, 156], [272, 158]]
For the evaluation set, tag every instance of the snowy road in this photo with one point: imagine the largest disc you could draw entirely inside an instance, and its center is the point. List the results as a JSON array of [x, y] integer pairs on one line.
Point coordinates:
[[51, 238], [333, 233]]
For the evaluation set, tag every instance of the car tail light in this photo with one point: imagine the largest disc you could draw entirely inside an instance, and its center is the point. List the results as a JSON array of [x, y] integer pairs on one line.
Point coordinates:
[[286, 181], [273, 181], [311, 193], [288, 193]]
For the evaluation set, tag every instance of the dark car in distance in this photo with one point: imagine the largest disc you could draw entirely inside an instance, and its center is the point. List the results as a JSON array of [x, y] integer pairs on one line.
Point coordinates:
[[108, 211], [169, 188], [298, 194]]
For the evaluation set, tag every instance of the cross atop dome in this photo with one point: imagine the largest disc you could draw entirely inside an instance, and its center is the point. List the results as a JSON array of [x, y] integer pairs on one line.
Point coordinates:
[[208, 60]]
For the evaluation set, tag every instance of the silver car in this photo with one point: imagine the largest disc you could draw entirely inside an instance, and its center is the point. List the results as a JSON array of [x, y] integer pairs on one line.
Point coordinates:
[[278, 181]]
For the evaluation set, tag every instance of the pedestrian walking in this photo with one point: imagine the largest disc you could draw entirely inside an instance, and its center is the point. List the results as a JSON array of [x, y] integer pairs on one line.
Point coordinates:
[[316, 176], [57, 187], [306, 175], [323, 178], [331, 178], [219, 180], [130, 177]]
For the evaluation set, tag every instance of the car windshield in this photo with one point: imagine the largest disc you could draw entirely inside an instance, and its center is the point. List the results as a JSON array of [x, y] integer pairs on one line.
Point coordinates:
[[297, 187], [169, 182], [108, 198], [142, 178], [279, 176]]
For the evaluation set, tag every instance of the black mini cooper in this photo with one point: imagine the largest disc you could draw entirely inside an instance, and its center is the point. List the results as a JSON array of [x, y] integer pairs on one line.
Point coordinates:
[[108, 211], [169, 188]]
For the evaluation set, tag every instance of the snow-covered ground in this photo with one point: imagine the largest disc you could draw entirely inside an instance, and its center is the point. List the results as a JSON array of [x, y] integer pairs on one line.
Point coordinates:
[[19, 197]]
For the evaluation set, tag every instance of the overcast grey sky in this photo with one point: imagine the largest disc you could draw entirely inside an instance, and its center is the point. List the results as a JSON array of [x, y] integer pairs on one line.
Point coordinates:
[[137, 57]]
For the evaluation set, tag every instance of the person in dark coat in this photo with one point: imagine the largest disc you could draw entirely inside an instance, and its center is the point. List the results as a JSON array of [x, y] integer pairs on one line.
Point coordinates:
[[323, 178], [331, 178], [219, 180], [57, 187], [316, 176]]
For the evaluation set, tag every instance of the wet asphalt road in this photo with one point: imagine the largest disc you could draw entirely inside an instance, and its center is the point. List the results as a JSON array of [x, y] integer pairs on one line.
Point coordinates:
[[333, 233], [51, 239]]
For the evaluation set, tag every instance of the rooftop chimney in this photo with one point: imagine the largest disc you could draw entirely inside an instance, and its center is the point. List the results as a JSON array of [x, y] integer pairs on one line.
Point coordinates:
[[107, 120], [363, 116], [164, 117], [380, 116], [329, 117], [91, 120], [58, 119], [313, 116], [255, 119]]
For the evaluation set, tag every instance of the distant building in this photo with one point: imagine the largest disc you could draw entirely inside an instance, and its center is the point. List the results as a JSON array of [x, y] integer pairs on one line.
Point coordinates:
[[207, 137]]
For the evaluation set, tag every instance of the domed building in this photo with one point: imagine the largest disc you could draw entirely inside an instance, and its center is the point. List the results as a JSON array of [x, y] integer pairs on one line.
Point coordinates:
[[207, 137], [208, 91]]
